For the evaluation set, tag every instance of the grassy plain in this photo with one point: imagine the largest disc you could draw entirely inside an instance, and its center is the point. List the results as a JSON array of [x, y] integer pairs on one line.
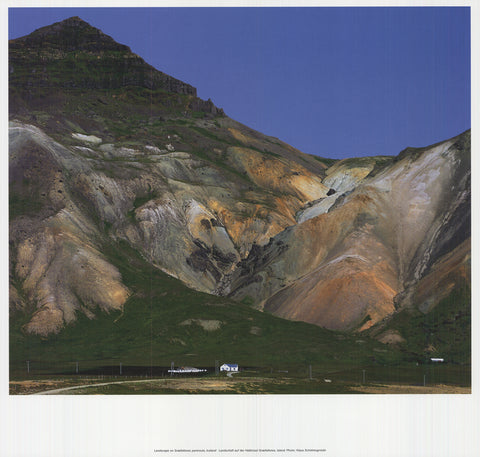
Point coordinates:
[[428, 379]]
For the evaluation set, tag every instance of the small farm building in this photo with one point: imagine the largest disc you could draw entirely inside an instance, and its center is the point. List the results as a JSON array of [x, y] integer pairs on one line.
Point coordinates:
[[229, 367]]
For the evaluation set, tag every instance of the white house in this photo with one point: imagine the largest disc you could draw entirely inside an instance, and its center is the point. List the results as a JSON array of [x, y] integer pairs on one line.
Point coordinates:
[[436, 359], [229, 367]]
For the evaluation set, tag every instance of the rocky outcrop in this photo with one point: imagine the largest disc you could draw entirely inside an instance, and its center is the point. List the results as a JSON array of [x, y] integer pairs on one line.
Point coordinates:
[[386, 243], [57, 267], [350, 263], [185, 215]]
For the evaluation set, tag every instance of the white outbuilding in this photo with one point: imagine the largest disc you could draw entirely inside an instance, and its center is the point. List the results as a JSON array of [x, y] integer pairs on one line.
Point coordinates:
[[229, 367]]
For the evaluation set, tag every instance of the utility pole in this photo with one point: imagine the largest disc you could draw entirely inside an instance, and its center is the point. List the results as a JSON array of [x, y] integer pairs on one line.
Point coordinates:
[[76, 368], [217, 369], [28, 366], [310, 371], [171, 368], [363, 377], [424, 380], [120, 367]]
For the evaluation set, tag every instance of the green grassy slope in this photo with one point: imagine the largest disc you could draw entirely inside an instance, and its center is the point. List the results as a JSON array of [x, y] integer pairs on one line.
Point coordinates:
[[148, 333], [443, 332]]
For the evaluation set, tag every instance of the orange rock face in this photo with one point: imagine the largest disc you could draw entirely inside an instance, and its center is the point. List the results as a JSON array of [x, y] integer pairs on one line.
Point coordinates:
[[380, 246]]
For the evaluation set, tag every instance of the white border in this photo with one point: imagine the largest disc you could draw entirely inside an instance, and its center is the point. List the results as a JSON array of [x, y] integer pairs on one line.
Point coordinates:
[[406, 426]]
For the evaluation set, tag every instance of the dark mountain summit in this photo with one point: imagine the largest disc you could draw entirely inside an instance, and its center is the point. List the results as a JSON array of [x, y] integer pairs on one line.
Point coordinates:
[[72, 34], [73, 54]]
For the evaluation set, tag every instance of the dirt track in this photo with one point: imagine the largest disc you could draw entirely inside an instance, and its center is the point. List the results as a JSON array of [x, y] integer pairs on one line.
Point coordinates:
[[65, 387], [197, 384]]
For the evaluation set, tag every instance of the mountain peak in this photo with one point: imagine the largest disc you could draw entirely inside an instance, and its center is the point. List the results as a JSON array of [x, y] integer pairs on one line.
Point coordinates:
[[71, 34], [74, 19], [73, 54]]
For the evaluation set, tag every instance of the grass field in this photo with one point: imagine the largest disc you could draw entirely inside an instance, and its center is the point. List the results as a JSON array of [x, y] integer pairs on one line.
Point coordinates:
[[373, 379]]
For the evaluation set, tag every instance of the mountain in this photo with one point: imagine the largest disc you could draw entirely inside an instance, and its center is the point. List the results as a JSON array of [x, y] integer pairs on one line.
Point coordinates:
[[72, 54], [109, 154], [396, 238]]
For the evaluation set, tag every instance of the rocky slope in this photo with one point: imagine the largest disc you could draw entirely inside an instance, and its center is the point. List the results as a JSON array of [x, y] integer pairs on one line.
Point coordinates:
[[104, 148], [354, 259]]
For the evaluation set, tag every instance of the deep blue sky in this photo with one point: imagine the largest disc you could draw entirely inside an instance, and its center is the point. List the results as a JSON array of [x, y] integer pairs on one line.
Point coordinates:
[[336, 82]]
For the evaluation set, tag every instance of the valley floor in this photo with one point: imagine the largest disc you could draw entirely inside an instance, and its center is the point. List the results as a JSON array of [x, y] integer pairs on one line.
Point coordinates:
[[218, 385]]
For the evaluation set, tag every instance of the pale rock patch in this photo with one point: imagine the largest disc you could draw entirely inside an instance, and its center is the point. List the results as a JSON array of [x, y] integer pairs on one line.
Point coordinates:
[[256, 331], [92, 139], [209, 325], [391, 337], [153, 149]]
